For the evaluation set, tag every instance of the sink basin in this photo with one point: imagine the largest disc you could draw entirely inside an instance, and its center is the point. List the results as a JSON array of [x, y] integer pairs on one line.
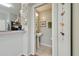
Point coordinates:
[[38, 39], [38, 34]]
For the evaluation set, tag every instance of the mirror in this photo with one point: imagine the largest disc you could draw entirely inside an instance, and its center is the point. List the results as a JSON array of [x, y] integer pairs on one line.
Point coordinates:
[[10, 17]]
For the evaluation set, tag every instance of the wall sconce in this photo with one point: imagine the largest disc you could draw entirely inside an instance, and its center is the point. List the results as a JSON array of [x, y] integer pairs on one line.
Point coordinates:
[[36, 14]]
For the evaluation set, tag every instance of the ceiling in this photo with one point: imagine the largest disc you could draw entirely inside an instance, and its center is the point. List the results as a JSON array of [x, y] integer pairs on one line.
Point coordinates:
[[44, 7], [14, 9]]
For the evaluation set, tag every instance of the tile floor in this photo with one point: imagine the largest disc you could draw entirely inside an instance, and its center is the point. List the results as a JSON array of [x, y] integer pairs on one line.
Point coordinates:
[[44, 51]]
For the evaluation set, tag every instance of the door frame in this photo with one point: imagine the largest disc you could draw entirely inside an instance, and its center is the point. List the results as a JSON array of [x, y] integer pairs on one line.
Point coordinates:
[[54, 29]]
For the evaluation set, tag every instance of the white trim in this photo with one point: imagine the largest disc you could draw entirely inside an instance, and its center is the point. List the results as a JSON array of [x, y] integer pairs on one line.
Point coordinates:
[[55, 29], [44, 44]]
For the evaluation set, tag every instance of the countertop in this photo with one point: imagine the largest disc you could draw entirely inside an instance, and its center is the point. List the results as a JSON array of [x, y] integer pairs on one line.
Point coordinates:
[[12, 32]]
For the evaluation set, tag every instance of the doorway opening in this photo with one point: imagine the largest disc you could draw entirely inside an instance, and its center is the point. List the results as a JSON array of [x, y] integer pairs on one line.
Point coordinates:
[[43, 30]]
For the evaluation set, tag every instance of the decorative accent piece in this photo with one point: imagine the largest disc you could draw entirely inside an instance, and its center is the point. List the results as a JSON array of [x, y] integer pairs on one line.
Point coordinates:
[[62, 3], [43, 23], [62, 13], [49, 24], [62, 33], [62, 22]]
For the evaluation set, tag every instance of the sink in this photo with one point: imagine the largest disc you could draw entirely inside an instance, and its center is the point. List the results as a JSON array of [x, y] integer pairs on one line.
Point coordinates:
[[38, 39], [38, 34]]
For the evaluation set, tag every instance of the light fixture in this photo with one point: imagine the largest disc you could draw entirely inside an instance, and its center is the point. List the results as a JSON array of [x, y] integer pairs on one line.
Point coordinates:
[[36, 14], [6, 4]]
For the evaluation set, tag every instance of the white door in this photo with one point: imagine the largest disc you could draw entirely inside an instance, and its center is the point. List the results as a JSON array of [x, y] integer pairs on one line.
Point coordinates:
[[64, 23]]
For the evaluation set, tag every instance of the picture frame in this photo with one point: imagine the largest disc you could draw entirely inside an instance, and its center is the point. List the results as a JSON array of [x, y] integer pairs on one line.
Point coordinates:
[[49, 24], [42, 23]]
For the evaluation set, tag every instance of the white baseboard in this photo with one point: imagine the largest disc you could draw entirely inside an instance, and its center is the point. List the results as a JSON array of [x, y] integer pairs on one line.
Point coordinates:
[[45, 44]]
